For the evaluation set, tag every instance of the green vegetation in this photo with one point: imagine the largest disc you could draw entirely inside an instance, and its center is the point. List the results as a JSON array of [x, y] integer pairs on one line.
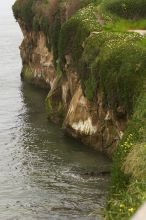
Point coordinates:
[[117, 63], [132, 9], [128, 175], [123, 15], [124, 25], [75, 31], [24, 10], [47, 16], [108, 59], [27, 73], [55, 109], [122, 69]]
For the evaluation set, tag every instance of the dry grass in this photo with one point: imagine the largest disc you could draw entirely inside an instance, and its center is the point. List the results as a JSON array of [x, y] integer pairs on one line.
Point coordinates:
[[135, 162]]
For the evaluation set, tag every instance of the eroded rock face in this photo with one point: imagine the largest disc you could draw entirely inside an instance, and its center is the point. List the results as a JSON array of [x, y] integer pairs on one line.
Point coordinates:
[[66, 103], [38, 66], [92, 124]]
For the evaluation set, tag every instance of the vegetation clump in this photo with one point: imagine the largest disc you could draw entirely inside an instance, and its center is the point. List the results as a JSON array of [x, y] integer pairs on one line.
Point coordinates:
[[116, 61], [75, 31], [128, 175], [132, 9]]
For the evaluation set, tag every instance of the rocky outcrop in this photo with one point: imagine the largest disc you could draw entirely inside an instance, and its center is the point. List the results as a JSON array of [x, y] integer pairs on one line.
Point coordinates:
[[52, 54], [86, 120], [95, 75], [37, 61]]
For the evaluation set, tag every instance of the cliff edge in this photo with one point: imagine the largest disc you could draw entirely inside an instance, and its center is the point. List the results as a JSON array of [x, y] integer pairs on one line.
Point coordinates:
[[91, 56]]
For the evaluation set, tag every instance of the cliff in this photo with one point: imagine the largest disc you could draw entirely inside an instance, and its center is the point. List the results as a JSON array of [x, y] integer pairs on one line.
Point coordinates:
[[88, 56]]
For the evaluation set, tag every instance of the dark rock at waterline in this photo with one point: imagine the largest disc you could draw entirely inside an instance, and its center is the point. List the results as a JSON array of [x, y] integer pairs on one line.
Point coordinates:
[[98, 173], [90, 173]]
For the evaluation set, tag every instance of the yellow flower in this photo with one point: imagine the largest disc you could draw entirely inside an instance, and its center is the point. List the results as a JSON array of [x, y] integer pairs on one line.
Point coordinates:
[[131, 210], [122, 206]]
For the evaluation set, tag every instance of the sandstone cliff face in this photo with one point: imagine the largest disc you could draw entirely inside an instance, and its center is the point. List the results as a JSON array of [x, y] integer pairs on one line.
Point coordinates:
[[66, 103], [37, 61]]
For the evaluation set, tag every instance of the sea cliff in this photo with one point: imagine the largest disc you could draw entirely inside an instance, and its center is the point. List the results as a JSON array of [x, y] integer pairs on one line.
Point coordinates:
[[91, 59]]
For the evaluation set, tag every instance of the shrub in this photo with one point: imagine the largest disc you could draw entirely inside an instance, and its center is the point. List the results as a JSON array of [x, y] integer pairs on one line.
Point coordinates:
[[133, 9], [122, 69], [24, 10], [116, 61], [128, 172], [134, 163], [75, 31]]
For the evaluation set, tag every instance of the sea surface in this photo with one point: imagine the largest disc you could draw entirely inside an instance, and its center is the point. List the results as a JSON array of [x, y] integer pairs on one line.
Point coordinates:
[[43, 174]]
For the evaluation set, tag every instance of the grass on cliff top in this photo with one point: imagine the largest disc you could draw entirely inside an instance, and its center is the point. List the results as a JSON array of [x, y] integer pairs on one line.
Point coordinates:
[[75, 31], [123, 15], [116, 62], [130, 9], [128, 183]]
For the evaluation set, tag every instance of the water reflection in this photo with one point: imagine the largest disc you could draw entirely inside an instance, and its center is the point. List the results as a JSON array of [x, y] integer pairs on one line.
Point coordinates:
[[53, 166]]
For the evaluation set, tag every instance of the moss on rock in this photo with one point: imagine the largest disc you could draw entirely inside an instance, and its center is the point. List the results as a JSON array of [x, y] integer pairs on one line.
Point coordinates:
[[116, 61], [55, 109], [75, 31], [27, 73]]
